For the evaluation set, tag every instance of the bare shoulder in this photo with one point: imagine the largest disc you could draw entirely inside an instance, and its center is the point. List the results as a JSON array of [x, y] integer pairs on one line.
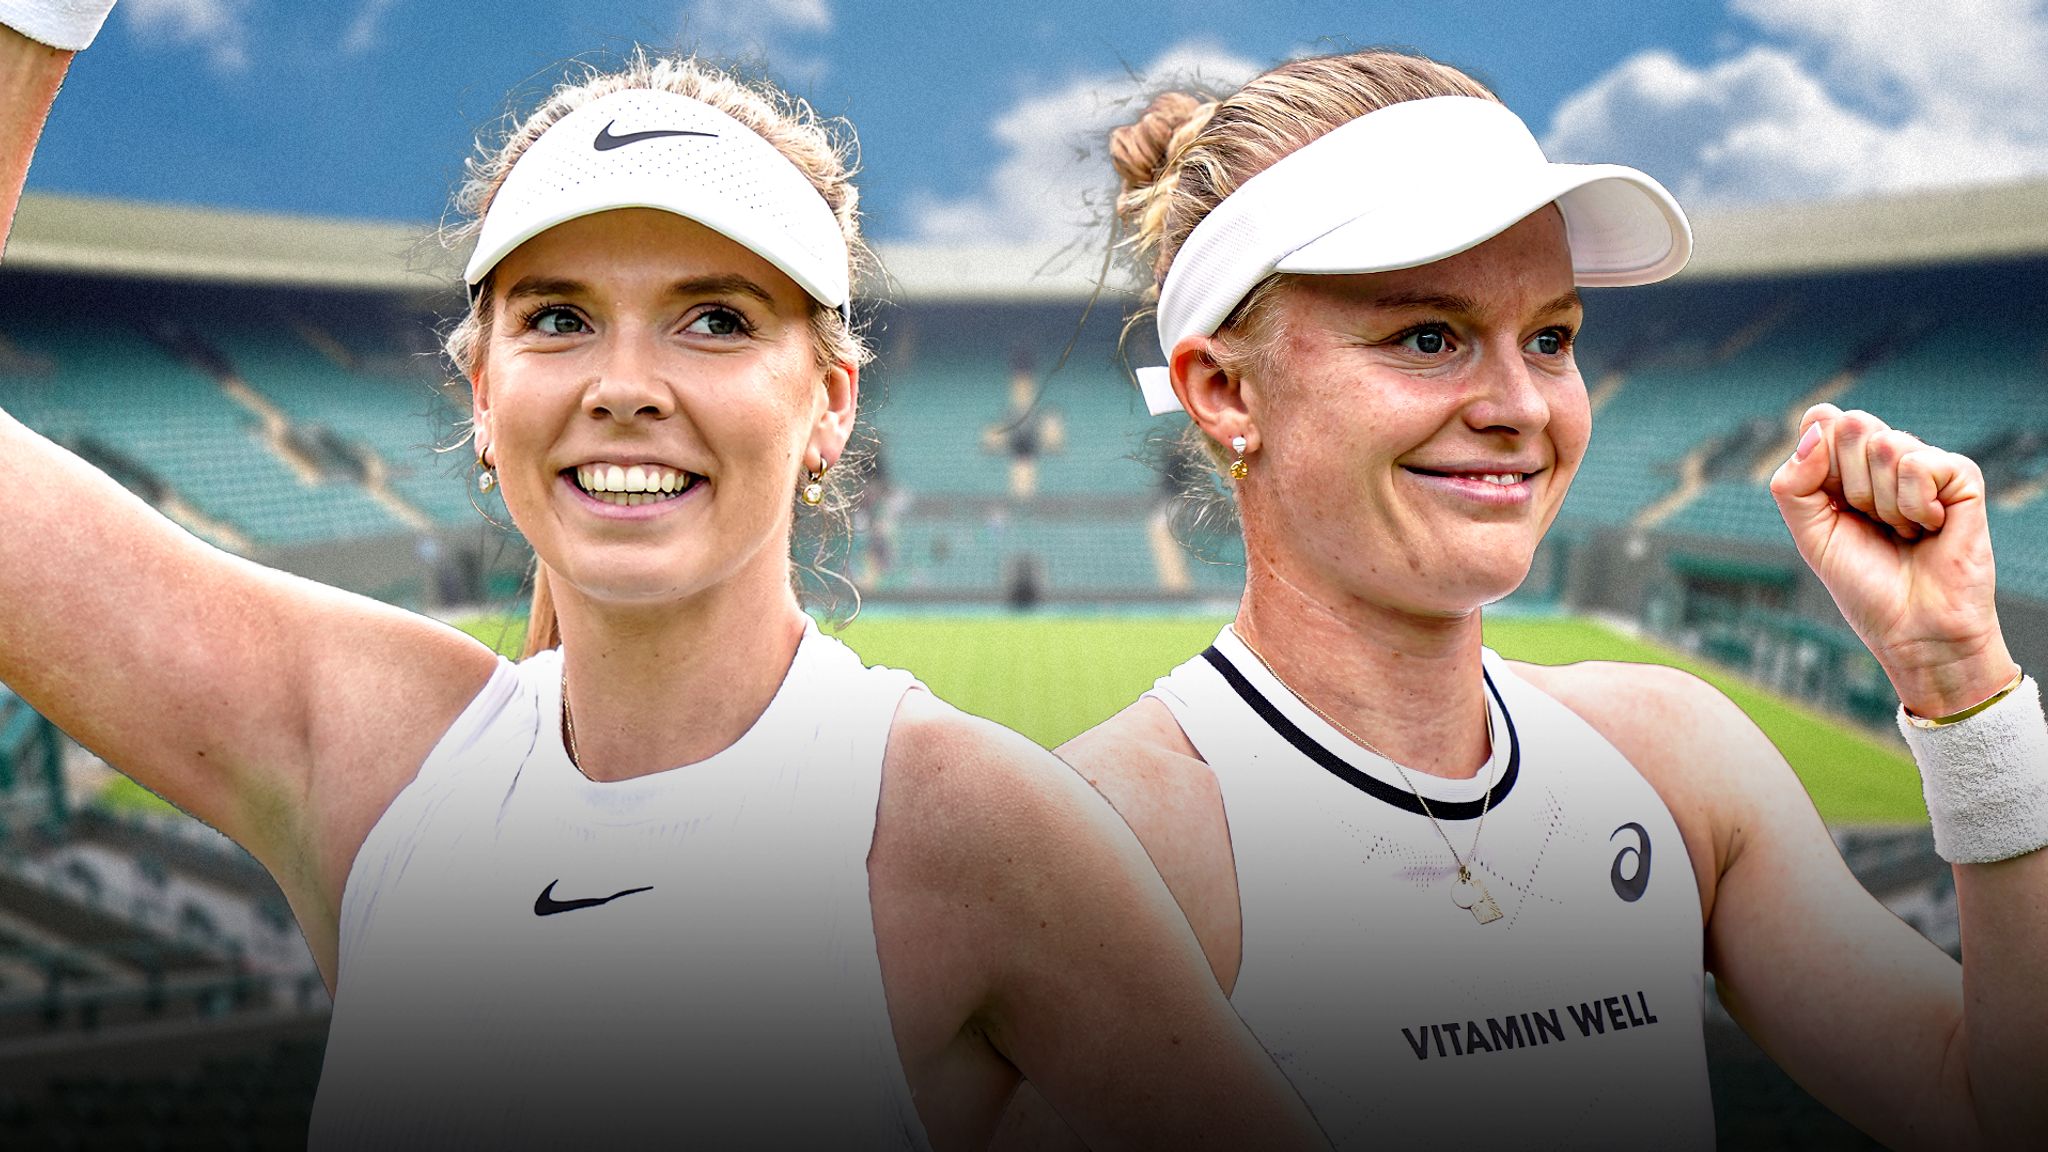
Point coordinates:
[[374, 655], [387, 684], [986, 848], [970, 807], [948, 765], [1717, 772], [939, 754], [1141, 761], [1668, 722], [1633, 705]]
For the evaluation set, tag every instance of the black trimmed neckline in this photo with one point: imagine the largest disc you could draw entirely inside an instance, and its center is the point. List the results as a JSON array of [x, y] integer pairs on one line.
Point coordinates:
[[1372, 786]]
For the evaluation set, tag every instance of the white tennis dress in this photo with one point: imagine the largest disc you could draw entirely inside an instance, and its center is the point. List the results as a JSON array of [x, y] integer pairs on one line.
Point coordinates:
[[529, 959], [1573, 1021]]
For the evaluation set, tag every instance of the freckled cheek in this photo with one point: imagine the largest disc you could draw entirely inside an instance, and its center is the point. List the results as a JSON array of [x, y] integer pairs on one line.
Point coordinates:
[[1328, 481]]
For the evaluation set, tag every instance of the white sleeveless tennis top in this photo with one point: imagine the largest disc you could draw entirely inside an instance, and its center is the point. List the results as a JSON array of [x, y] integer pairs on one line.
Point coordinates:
[[530, 959], [1573, 1021]]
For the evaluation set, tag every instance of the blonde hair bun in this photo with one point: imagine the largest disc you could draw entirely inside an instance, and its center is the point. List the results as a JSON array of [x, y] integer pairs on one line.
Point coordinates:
[[1186, 153], [1140, 150], [1143, 154]]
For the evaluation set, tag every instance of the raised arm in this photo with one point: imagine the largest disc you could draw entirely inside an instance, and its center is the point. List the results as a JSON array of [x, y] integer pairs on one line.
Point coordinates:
[[217, 683], [1028, 919], [1863, 1012], [1897, 531], [30, 73], [282, 712], [1849, 1000]]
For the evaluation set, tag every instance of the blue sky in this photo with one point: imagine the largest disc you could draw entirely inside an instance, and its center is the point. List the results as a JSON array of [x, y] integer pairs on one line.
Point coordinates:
[[973, 117]]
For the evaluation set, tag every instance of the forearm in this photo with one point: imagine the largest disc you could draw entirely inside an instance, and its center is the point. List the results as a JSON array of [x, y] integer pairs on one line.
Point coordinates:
[[1898, 531], [30, 74], [1985, 771], [2004, 913]]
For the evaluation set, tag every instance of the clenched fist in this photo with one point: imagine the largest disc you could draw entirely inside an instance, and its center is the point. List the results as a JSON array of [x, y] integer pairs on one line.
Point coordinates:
[[1896, 529]]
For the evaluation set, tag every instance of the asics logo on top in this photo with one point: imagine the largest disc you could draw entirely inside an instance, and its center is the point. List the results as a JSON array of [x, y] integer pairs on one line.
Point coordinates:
[[546, 905], [1632, 886], [605, 141]]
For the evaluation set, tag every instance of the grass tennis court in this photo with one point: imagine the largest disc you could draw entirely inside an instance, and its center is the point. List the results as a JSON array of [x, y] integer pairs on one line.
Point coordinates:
[[1050, 677]]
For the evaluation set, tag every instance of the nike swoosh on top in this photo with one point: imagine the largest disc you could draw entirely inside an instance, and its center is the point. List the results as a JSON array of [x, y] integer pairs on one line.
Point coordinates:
[[545, 904], [605, 141]]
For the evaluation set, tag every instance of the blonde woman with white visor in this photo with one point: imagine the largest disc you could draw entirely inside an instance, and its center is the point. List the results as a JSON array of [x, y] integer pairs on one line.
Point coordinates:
[[1465, 902], [694, 877]]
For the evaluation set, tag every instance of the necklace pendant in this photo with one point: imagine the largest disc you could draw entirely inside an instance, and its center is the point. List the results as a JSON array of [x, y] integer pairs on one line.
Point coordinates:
[[1469, 893]]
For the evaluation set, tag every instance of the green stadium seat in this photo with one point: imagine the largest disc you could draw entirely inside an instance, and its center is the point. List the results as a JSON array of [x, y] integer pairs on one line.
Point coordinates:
[[402, 418], [116, 387]]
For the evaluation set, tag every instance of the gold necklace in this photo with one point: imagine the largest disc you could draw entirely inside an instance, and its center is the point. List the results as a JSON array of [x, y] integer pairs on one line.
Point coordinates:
[[1467, 890], [569, 726]]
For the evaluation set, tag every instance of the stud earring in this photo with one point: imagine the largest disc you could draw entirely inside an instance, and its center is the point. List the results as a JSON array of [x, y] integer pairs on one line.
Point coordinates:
[[1238, 468], [813, 492]]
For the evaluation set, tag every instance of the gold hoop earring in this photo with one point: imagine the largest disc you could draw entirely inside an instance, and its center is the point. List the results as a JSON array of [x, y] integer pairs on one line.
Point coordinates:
[[1238, 468], [813, 491]]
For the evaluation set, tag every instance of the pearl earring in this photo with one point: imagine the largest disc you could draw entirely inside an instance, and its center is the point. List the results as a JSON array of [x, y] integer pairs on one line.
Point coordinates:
[[1238, 468]]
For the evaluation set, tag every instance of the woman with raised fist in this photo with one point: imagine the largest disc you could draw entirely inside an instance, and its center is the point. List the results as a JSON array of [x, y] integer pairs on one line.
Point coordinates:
[[1468, 902]]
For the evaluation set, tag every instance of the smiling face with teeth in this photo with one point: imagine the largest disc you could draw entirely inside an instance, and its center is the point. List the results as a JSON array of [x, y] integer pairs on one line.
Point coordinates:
[[650, 393], [1416, 430]]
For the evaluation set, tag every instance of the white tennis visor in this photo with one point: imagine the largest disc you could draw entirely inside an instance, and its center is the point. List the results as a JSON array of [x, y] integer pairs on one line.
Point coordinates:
[[1407, 185], [642, 148]]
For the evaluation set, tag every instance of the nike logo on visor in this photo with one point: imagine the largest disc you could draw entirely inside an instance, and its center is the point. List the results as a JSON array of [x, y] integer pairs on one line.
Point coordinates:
[[546, 905], [605, 141]]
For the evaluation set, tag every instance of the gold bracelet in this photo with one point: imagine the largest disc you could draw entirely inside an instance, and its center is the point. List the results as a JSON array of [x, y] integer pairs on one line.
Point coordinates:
[[1965, 714]]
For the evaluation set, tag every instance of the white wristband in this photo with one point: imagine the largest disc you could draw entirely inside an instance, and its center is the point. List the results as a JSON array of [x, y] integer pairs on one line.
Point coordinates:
[[68, 24], [1986, 779]]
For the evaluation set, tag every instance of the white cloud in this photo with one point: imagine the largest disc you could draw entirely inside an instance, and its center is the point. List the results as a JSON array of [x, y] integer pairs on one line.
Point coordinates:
[[1052, 181], [763, 30], [1981, 54], [362, 31], [795, 15], [1842, 97], [216, 27]]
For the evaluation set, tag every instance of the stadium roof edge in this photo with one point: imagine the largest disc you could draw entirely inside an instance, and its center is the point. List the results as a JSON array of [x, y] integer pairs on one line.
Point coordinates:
[[922, 272], [131, 239], [1939, 226], [94, 236]]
